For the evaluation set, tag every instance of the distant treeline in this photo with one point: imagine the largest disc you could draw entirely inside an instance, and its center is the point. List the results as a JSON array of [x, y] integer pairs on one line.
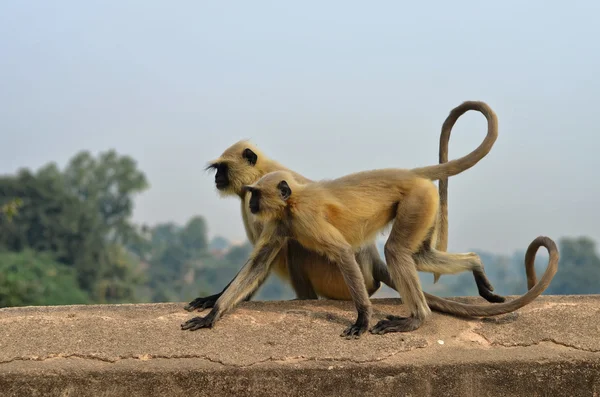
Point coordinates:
[[66, 237]]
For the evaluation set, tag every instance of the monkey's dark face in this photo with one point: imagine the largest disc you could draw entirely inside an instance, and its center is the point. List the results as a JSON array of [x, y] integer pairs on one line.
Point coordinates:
[[255, 201], [236, 167], [222, 175], [268, 202]]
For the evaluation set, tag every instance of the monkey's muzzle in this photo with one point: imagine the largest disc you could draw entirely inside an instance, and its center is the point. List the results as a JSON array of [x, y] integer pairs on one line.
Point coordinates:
[[222, 175], [254, 203]]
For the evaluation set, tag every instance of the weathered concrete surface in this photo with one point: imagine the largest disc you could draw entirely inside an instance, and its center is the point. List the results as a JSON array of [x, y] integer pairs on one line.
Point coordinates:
[[549, 348]]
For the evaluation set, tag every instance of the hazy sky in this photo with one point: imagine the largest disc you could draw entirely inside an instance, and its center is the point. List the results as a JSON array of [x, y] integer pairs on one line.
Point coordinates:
[[327, 88]]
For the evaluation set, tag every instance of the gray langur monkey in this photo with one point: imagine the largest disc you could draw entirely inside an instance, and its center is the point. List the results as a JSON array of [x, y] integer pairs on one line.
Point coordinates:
[[336, 218], [310, 274]]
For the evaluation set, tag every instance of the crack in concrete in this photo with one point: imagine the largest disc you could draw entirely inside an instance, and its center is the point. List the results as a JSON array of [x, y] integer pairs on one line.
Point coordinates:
[[545, 340], [348, 360], [53, 356], [141, 357], [478, 330], [146, 357]]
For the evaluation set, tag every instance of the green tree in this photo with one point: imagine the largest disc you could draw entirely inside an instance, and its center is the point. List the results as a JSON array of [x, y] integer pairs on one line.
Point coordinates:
[[218, 243], [9, 209], [49, 219], [120, 277], [107, 185], [578, 269], [193, 236], [162, 236], [28, 278], [171, 256], [80, 217], [239, 254]]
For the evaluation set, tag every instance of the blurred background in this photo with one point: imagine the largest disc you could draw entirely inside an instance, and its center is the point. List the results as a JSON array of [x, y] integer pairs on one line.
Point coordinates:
[[109, 112]]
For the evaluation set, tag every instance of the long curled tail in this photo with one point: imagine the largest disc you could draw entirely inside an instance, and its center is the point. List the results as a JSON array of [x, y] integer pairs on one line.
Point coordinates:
[[442, 237], [441, 243], [451, 168], [535, 289], [442, 227]]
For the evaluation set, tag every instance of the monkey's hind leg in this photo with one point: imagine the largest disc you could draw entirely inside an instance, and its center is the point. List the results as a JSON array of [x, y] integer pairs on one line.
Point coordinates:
[[431, 260], [415, 217], [378, 268]]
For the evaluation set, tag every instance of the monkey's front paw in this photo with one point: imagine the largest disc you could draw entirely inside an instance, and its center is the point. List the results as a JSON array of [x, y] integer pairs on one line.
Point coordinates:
[[197, 323], [396, 324], [200, 304], [354, 331], [357, 329]]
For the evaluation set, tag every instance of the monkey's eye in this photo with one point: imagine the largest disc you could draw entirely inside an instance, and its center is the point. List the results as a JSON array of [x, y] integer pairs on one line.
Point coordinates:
[[250, 156], [284, 190]]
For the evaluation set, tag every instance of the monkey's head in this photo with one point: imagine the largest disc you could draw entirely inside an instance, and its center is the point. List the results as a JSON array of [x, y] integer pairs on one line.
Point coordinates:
[[270, 195], [240, 164]]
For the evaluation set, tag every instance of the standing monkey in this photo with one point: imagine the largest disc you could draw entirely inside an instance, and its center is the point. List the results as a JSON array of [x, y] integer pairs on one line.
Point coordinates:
[[335, 218], [309, 273]]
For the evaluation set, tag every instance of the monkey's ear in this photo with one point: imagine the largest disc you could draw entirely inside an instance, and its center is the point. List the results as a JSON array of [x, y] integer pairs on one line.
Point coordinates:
[[284, 189], [250, 156]]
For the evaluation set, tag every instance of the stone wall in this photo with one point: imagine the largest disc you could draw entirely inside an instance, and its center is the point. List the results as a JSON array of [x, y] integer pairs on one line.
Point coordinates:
[[293, 348]]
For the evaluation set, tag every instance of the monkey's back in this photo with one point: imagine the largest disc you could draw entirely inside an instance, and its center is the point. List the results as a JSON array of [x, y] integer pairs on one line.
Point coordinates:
[[373, 185], [359, 205]]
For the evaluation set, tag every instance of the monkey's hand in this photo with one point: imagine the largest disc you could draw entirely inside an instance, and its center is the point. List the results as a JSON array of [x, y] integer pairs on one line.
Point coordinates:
[[199, 322], [202, 303]]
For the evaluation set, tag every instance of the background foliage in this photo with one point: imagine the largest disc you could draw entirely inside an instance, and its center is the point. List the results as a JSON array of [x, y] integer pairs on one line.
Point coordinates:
[[66, 237]]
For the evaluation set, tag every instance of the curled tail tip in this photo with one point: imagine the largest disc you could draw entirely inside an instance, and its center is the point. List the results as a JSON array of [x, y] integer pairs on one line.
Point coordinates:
[[475, 102], [472, 102], [543, 241], [474, 105], [535, 287]]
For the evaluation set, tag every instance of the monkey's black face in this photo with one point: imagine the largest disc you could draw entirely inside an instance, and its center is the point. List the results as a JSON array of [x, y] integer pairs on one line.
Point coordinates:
[[254, 201], [222, 175]]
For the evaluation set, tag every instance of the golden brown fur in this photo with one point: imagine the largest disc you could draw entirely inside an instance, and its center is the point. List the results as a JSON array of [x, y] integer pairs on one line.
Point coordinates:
[[311, 274], [336, 218]]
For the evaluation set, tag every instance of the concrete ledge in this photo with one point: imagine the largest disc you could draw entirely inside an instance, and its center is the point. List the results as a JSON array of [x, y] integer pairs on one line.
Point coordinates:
[[293, 348]]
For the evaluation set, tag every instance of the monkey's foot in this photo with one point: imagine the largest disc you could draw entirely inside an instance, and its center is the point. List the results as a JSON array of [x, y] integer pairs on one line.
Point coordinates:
[[357, 329], [485, 288], [201, 304], [198, 322], [396, 324]]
